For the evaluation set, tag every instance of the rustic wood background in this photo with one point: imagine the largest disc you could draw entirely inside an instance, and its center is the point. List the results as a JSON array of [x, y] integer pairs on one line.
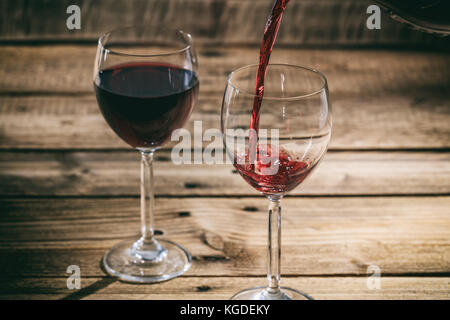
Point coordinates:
[[69, 186], [212, 22]]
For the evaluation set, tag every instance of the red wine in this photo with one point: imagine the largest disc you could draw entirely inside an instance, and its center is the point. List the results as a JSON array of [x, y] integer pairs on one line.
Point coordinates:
[[267, 172], [145, 102], [272, 174], [267, 42]]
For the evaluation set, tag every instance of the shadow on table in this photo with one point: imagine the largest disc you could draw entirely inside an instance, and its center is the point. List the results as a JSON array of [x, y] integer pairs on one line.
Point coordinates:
[[93, 288]]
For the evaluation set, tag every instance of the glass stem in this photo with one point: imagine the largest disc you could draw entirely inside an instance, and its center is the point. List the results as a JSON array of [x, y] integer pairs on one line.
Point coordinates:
[[274, 246], [147, 249], [147, 197]]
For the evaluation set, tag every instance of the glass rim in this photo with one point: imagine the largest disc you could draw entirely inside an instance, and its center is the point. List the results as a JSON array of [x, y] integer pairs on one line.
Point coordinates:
[[313, 93], [187, 36]]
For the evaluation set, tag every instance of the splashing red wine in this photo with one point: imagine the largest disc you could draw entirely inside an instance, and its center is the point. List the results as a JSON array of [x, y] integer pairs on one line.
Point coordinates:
[[275, 170], [268, 168], [267, 42]]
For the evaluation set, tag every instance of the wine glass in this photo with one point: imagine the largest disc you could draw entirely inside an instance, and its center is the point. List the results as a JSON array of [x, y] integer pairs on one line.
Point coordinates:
[[146, 84], [293, 136]]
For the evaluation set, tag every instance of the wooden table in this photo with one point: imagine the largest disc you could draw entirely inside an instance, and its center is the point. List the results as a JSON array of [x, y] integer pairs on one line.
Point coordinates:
[[69, 187]]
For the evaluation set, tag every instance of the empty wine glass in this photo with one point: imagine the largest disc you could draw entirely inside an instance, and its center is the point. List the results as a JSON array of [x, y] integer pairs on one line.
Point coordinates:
[[293, 136], [146, 86]]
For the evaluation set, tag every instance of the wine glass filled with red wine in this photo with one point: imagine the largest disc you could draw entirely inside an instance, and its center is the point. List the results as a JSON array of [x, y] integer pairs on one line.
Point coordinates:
[[275, 141], [146, 84]]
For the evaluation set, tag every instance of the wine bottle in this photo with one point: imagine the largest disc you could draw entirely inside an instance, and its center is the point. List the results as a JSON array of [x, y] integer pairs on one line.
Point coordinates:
[[426, 15]]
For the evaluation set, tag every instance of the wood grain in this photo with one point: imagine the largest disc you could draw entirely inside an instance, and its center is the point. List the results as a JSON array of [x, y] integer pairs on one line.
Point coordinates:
[[306, 22], [418, 121], [321, 236], [367, 73], [194, 288], [117, 174], [381, 99]]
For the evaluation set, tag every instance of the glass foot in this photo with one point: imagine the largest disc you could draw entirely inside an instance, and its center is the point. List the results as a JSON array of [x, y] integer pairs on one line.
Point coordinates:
[[262, 293], [128, 264]]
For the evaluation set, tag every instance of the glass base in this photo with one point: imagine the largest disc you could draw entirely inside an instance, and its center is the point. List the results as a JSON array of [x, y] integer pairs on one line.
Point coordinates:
[[262, 293], [128, 264]]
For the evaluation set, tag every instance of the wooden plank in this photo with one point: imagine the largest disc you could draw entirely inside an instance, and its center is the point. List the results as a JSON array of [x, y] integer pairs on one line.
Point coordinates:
[[307, 22], [389, 122], [319, 288], [117, 174], [367, 73], [377, 97], [227, 237]]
